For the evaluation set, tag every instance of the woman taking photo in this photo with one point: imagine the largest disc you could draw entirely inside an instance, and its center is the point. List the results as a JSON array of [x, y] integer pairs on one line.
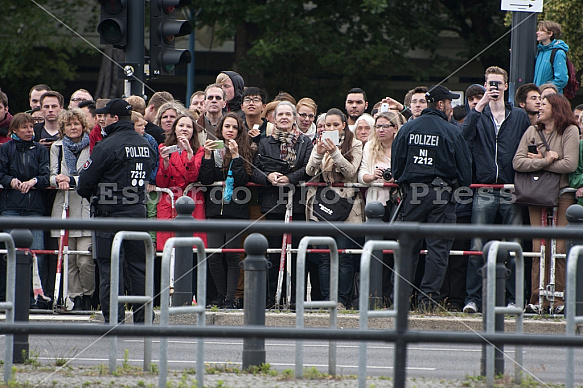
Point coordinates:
[[68, 156], [376, 160], [557, 125], [231, 159], [336, 162], [178, 167], [280, 165]]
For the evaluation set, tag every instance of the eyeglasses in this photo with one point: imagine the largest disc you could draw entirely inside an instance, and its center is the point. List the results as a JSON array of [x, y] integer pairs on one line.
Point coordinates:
[[305, 115], [38, 119], [255, 100], [384, 126], [77, 99], [218, 98]]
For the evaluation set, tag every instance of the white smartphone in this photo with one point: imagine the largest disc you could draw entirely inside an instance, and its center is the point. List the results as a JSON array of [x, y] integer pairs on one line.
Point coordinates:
[[332, 135], [384, 107], [172, 148]]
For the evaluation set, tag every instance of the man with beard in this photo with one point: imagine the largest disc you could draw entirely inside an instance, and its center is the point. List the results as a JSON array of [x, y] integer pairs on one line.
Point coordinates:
[[528, 98], [356, 105]]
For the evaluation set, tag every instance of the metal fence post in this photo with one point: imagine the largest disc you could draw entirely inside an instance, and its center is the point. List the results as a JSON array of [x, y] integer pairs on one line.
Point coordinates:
[[374, 211], [166, 310], [183, 258], [575, 218], [9, 304], [22, 239], [255, 265]]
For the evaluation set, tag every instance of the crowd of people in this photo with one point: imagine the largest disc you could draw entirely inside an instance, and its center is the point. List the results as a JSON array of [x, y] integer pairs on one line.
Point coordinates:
[[421, 147]]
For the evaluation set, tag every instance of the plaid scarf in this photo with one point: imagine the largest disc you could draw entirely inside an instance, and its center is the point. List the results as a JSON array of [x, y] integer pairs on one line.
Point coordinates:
[[288, 141]]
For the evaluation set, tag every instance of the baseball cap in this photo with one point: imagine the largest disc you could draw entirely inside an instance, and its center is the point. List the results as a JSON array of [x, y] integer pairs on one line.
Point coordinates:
[[438, 92], [116, 107]]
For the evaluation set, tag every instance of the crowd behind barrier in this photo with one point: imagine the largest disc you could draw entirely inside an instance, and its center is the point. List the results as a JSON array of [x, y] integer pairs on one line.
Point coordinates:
[[241, 158], [66, 251]]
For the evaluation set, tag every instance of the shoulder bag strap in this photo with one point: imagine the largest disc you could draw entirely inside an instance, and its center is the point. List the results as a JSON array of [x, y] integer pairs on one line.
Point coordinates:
[[543, 138]]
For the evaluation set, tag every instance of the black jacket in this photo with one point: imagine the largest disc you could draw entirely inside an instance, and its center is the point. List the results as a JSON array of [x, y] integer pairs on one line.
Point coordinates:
[[492, 154], [238, 207], [156, 132], [118, 171], [430, 147], [23, 160], [274, 197]]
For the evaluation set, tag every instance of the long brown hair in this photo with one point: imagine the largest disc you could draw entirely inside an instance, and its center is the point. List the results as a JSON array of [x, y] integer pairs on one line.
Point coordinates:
[[562, 114], [348, 135], [171, 137], [243, 141]]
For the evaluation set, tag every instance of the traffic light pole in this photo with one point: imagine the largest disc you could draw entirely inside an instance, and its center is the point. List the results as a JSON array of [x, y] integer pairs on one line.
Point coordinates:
[[135, 52], [522, 50]]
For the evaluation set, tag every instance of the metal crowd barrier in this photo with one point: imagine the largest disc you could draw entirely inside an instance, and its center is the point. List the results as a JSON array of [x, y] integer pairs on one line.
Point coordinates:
[[364, 312], [571, 312], [492, 310], [330, 304], [115, 297], [199, 309], [8, 305]]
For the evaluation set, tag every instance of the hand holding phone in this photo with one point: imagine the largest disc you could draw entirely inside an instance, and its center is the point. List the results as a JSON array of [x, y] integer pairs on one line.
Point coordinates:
[[532, 149], [332, 135]]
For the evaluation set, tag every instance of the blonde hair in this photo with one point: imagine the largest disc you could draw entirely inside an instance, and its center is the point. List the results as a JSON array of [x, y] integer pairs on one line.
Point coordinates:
[[377, 149], [65, 117], [222, 78], [177, 107], [136, 116], [308, 102], [138, 104]]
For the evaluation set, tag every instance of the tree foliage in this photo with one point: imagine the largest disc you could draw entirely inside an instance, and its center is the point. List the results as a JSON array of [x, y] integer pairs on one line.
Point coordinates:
[[37, 48], [287, 45]]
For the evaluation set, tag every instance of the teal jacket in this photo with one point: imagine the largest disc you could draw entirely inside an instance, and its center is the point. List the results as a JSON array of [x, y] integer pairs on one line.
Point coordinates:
[[545, 72]]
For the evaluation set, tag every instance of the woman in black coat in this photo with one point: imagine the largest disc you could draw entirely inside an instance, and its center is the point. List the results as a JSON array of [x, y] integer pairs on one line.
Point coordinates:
[[280, 165], [232, 164]]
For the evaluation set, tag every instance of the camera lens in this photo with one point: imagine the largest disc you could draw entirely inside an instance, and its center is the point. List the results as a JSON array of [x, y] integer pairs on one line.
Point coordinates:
[[387, 175]]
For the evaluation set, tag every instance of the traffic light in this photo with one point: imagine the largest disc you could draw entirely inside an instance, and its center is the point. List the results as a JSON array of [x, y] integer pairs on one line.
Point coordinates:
[[113, 25], [164, 28]]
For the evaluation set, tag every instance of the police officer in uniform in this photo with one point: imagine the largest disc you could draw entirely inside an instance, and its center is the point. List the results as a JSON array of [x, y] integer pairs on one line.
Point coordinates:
[[115, 179], [429, 160]]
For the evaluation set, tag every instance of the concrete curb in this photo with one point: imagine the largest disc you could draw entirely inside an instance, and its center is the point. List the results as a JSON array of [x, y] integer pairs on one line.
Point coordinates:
[[454, 322]]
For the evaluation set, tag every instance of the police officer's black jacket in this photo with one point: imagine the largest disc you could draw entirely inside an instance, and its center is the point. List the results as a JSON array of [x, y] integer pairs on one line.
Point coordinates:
[[430, 147], [118, 170]]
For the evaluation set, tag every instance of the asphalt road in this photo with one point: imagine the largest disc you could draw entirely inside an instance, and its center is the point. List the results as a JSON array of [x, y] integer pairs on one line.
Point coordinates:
[[424, 361]]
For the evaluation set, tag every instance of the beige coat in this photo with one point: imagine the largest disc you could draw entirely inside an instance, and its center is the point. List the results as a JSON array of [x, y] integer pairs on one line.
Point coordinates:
[[566, 145], [348, 174], [78, 207]]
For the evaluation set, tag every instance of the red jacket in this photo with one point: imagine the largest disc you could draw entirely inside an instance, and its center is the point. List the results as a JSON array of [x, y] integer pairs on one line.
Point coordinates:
[[95, 136], [179, 174]]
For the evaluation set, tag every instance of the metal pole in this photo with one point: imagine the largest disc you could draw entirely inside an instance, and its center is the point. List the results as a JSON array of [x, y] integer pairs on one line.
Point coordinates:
[[575, 219], [135, 51], [502, 274], [522, 50], [22, 239], [374, 211], [401, 321], [255, 265], [183, 260], [190, 76]]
